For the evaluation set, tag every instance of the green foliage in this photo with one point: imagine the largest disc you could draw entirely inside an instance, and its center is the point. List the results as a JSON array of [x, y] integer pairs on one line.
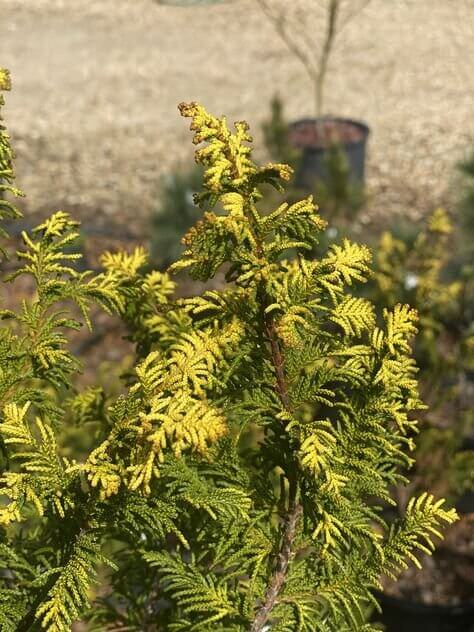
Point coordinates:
[[232, 484], [465, 238], [418, 270], [466, 205], [337, 194], [276, 135]]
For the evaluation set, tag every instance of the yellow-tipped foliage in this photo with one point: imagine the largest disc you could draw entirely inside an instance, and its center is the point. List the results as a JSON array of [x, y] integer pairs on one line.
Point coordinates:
[[233, 479]]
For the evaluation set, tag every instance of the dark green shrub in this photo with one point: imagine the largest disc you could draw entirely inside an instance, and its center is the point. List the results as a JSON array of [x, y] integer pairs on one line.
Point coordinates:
[[174, 215]]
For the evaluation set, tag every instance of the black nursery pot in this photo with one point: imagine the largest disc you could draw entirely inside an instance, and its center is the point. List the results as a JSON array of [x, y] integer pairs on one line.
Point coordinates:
[[349, 134], [400, 615]]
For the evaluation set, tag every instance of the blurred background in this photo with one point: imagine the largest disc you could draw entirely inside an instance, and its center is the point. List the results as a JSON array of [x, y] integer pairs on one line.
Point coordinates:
[[371, 101], [93, 114]]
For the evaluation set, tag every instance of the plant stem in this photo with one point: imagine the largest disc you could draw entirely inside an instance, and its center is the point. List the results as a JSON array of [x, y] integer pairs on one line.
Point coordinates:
[[277, 361], [279, 575], [325, 53], [292, 43], [285, 554]]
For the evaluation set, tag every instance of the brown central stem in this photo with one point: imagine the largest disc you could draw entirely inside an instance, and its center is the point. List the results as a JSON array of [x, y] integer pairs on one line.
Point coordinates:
[[277, 361], [294, 510], [279, 575]]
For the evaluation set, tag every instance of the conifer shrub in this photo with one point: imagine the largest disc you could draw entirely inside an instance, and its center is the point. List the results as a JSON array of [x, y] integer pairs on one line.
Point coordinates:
[[276, 135], [464, 219], [423, 272], [235, 484], [465, 206], [417, 270], [174, 214]]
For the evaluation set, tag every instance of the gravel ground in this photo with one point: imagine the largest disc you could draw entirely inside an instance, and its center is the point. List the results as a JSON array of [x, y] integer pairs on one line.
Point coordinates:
[[93, 114]]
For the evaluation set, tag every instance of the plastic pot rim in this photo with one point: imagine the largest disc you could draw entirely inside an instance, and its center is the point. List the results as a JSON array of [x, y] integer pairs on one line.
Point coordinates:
[[363, 127]]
